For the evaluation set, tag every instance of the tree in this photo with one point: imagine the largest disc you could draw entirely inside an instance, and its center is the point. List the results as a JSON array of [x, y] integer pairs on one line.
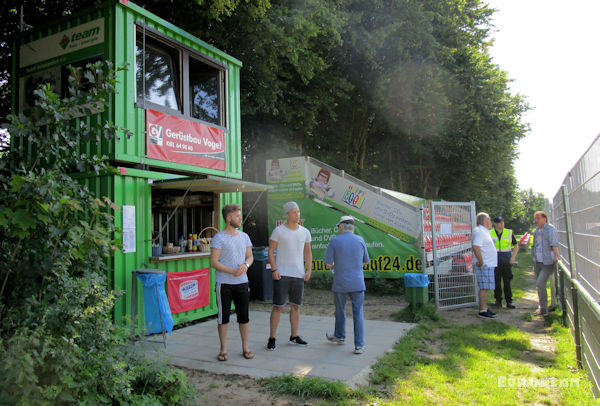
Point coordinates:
[[526, 203]]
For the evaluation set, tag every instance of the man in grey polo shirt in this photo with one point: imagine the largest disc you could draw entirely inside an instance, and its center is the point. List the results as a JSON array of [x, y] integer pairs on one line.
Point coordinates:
[[545, 255], [487, 260]]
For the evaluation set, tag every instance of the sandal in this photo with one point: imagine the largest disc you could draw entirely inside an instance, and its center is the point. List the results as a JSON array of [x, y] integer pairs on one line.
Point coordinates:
[[222, 356], [248, 354]]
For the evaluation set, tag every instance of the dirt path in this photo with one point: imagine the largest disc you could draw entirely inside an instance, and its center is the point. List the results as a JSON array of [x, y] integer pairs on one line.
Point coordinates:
[[234, 390]]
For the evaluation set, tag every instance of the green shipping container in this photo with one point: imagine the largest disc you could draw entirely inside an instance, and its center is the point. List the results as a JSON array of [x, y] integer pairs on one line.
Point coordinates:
[[180, 98]]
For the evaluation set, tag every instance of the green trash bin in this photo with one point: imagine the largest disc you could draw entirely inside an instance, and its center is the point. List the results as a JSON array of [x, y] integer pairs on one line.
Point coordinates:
[[416, 287]]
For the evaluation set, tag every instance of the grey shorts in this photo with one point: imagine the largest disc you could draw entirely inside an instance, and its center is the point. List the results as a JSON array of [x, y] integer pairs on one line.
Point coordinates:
[[288, 287]]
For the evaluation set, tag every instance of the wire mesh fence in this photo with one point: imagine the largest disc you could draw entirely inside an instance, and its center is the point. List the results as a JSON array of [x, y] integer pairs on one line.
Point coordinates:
[[576, 215], [447, 230]]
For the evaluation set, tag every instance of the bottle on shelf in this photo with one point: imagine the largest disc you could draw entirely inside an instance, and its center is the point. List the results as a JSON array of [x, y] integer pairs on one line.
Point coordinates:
[[189, 243]]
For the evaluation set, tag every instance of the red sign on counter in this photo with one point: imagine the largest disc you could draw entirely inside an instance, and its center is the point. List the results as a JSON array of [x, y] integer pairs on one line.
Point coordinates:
[[188, 290], [175, 139]]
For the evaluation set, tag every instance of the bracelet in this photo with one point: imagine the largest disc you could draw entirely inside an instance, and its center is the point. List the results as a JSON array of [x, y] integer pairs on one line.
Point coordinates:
[[273, 270]]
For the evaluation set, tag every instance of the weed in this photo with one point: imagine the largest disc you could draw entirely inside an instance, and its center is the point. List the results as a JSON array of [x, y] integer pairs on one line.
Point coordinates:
[[418, 313], [310, 387], [527, 316]]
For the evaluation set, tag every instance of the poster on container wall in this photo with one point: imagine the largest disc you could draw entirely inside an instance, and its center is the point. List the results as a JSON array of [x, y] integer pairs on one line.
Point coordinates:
[[324, 196], [175, 139]]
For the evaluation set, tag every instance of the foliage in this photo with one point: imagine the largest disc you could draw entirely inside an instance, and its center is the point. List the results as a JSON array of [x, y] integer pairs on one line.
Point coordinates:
[[57, 340]]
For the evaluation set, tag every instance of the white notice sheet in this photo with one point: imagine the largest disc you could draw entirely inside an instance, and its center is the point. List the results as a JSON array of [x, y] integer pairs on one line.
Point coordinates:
[[128, 228]]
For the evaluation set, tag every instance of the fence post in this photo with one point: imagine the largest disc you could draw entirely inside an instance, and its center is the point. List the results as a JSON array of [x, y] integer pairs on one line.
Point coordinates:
[[434, 252], [573, 269], [563, 299]]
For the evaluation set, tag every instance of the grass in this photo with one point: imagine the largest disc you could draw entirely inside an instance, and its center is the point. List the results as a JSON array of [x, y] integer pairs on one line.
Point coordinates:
[[480, 363]]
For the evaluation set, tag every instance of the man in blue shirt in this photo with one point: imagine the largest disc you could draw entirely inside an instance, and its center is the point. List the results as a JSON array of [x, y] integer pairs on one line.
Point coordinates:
[[347, 254], [545, 255]]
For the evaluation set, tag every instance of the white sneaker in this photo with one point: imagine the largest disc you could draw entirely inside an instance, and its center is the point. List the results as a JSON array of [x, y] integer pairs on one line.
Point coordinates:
[[360, 349], [331, 337]]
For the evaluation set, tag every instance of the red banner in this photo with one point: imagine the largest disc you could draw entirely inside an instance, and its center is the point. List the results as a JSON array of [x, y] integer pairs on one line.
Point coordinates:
[[175, 139], [188, 290]]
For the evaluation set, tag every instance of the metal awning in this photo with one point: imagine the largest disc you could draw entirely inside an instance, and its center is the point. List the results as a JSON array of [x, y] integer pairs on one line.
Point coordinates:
[[210, 183]]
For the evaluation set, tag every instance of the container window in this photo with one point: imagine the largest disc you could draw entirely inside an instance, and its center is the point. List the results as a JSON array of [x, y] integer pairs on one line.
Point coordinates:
[[197, 212], [204, 92], [174, 77], [157, 74]]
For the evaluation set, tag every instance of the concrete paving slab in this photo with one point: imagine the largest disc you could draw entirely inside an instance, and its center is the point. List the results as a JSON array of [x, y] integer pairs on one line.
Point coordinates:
[[197, 346]]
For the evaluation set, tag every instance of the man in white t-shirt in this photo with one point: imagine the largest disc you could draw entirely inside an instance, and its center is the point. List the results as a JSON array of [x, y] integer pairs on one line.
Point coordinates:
[[231, 256], [292, 242], [487, 260]]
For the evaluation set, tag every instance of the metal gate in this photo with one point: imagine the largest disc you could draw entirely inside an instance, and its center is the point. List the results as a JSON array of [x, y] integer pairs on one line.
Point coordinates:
[[447, 228]]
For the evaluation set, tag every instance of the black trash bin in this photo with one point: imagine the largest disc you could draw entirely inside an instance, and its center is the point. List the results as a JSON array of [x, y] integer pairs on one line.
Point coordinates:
[[259, 276]]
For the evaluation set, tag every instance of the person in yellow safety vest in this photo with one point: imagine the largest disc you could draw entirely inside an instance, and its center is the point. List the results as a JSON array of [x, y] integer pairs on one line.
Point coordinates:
[[507, 247]]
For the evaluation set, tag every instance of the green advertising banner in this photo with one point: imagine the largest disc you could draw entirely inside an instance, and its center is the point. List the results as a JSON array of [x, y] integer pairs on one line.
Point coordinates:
[[393, 251], [44, 60]]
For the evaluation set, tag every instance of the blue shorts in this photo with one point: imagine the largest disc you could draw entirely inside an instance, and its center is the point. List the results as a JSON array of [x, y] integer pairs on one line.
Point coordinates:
[[485, 277]]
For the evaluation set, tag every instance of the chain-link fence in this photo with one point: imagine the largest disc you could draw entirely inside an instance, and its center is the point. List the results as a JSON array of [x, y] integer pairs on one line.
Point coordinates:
[[576, 215]]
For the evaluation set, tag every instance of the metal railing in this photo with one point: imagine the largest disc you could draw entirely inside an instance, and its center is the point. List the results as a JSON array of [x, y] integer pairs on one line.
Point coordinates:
[[447, 228], [575, 213]]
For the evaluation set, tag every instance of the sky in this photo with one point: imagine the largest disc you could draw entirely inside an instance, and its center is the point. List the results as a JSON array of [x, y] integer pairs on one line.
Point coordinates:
[[550, 49]]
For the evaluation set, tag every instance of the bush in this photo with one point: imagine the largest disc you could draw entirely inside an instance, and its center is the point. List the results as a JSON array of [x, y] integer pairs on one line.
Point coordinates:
[[380, 285], [321, 280], [58, 343]]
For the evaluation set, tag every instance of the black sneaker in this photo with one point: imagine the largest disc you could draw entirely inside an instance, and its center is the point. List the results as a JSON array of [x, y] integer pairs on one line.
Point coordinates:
[[486, 315], [491, 313], [297, 341], [271, 344], [510, 306], [497, 304]]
